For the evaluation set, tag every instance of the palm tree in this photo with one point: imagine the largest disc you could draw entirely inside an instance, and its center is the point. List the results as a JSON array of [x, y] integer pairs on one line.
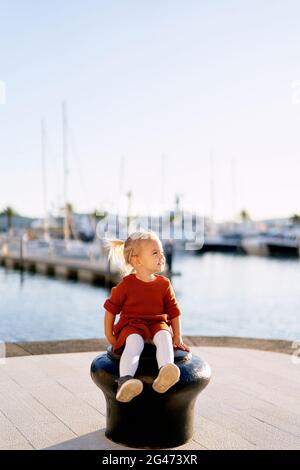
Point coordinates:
[[295, 218], [98, 214], [68, 232], [9, 212], [244, 215]]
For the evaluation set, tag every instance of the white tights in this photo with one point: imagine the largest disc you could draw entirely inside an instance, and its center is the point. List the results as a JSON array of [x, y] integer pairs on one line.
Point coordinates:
[[134, 346]]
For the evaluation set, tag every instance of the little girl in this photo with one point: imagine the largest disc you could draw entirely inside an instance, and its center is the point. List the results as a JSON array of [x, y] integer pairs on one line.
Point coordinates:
[[149, 311]]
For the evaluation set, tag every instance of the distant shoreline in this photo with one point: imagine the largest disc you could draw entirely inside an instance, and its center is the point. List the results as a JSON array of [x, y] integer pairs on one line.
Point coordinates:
[[30, 348]]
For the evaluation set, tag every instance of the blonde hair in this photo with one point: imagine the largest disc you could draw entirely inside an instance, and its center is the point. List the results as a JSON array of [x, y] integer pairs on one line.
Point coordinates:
[[122, 251]]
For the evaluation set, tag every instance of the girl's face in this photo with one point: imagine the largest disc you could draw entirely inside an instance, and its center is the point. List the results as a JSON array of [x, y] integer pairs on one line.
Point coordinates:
[[150, 256]]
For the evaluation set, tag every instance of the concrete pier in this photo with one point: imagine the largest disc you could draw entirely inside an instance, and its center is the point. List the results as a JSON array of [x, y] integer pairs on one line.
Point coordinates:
[[67, 268], [50, 402]]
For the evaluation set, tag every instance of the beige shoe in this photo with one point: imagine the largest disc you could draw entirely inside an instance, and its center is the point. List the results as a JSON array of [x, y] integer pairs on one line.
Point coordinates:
[[128, 388], [167, 377]]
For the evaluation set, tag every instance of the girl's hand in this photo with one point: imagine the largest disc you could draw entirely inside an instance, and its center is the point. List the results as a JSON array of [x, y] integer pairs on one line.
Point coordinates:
[[112, 340], [178, 343]]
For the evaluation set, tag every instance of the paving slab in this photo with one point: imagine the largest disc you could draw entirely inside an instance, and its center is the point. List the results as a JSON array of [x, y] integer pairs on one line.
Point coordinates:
[[49, 401]]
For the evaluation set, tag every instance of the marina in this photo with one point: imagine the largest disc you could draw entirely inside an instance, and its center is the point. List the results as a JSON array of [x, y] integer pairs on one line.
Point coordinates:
[[220, 295]]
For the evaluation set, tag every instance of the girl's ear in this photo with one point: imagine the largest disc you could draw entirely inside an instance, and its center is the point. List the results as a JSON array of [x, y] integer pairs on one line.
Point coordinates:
[[135, 261]]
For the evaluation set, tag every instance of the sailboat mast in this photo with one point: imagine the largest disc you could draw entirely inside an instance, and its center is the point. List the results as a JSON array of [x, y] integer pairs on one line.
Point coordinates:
[[233, 188], [44, 179], [129, 211], [65, 163], [121, 183], [163, 180], [212, 189]]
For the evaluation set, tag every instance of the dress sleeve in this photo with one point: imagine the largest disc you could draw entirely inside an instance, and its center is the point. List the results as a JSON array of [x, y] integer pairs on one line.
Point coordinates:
[[171, 306], [116, 300]]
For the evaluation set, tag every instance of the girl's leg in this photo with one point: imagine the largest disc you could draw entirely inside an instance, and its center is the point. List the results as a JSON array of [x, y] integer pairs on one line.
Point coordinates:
[[169, 373], [128, 387], [130, 357], [164, 348]]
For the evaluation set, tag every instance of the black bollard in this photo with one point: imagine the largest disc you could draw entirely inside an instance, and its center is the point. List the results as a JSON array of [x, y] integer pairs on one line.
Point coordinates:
[[151, 420]]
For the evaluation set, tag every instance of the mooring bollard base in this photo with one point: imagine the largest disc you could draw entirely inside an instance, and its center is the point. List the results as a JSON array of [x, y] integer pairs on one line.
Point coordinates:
[[151, 420], [141, 445], [165, 424]]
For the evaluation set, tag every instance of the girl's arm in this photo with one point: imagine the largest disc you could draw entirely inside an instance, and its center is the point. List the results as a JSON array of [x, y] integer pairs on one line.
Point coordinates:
[[177, 338], [109, 320]]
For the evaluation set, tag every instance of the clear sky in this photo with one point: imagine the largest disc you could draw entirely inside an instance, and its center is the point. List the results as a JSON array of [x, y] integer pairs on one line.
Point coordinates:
[[142, 79]]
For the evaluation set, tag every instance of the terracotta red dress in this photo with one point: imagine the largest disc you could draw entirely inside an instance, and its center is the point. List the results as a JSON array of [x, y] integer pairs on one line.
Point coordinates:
[[145, 307]]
